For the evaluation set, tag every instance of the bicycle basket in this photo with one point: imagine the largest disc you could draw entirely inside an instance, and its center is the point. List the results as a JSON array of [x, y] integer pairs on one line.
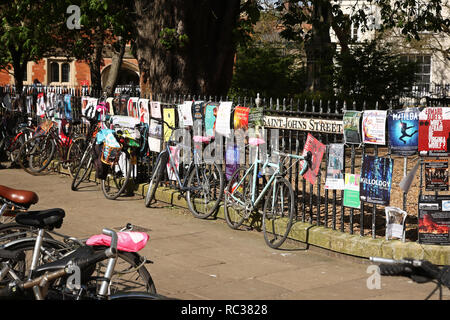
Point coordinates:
[[110, 154], [44, 127]]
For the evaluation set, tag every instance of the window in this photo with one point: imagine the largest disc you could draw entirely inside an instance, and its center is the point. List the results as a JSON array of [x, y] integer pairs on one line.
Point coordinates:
[[54, 72], [65, 72], [423, 72], [59, 72]]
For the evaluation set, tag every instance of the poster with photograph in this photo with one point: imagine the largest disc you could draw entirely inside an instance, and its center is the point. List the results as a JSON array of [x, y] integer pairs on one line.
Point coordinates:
[[434, 132], [176, 160], [133, 108], [169, 117], [376, 180], [88, 107], [231, 160], [185, 114], [241, 115], [68, 107], [352, 133], [335, 167], [434, 219], [395, 223], [436, 175], [211, 111], [123, 105], [144, 112], [155, 136], [403, 131], [41, 106], [351, 191], [317, 149], [223, 118], [155, 109], [374, 127]]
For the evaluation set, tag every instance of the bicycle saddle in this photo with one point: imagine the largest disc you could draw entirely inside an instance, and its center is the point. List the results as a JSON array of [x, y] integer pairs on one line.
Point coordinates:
[[43, 219], [20, 197]]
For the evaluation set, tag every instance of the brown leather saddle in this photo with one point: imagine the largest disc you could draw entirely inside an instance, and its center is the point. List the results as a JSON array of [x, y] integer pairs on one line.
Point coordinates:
[[21, 198]]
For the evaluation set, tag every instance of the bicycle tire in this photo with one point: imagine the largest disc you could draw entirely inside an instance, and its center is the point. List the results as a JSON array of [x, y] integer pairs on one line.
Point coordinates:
[[84, 169], [275, 230], [212, 186], [154, 181], [74, 154], [119, 179], [42, 151], [22, 157], [12, 231], [236, 213]]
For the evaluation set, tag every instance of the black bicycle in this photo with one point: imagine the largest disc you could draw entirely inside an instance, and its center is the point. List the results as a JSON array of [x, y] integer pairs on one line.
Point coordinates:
[[203, 183], [420, 271]]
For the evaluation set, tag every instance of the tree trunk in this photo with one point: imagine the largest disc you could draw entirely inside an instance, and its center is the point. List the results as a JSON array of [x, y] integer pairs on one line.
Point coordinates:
[[203, 65], [96, 60], [117, 57], [319, 49]]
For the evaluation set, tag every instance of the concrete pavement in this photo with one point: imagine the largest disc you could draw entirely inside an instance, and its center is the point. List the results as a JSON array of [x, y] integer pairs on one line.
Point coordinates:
[[206, 260]]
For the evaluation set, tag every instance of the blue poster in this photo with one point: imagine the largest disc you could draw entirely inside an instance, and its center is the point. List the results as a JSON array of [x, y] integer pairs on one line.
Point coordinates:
[[403, 130], [376, 180], [210, 119], [67, 107], [231, 160]]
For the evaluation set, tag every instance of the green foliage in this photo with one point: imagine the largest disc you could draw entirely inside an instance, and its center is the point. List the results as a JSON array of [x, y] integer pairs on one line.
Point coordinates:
[[171, 40], [372, 72], [265, 70]]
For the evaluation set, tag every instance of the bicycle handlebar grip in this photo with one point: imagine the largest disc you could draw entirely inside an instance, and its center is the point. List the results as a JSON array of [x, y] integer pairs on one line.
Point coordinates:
[[113, 245], [395, 270]]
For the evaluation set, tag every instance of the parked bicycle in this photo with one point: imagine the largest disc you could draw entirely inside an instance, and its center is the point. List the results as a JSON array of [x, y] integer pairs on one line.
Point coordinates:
[[203, 183], [242, 198], [420, 271]]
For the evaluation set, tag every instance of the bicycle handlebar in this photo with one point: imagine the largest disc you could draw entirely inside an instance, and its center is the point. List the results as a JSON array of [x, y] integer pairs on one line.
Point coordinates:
[[162, 121]]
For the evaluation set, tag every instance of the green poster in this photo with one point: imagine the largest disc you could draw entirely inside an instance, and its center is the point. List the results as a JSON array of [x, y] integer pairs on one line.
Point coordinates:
[[351, 191]]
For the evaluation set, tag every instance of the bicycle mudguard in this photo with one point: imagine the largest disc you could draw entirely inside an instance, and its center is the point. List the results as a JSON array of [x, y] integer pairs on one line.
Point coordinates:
[[138, 296]]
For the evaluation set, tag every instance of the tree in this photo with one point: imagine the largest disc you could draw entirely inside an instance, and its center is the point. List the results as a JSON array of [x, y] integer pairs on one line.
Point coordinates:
[[188, 46], [27, 34]]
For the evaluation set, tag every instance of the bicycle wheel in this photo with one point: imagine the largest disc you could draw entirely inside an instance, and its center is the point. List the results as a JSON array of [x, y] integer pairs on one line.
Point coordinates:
[[238, 198], [12, 231], [84, 169], [41, 153], [278, 214], [75, 153], [205, 189], [130, 274], [156, 177], [117, 179], [25, 135]]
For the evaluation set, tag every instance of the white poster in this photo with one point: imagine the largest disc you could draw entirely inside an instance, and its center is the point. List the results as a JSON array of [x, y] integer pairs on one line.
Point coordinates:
[[335, 167], [395, 223], [185, 114], [155, 109], [374, 127], [223, 119]]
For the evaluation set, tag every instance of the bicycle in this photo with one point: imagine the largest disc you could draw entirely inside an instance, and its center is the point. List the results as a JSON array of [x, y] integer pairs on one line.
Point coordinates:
[[420, 271], [203, 186], [242, 198], [53, 280]]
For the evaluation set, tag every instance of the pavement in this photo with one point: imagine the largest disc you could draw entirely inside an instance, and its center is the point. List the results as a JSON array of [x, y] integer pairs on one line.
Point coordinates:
[[198, 259]]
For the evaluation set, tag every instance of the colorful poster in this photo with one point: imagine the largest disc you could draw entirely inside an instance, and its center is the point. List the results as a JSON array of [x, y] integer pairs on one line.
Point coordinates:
[[395, 223], [351, 190], [241, 115], [317, 149], [144, 115], [176, 160], [123, 104], [68, 106], [436, 175], [223, 119], [374, 127], [351, 122], [231, 160], [155, 109], [133, 108], [376, 180], [335, 167], [169, 117], [155, 136], [41, 106], [197, 110], [434, 132], [211, 111], [434, 220], [403, 131]]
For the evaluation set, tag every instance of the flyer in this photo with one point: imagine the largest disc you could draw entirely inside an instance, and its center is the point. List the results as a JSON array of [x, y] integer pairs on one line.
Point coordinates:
[[436, 175], [223, 119], [351, 122], [211, 112], [434, 129], [376, 180], [395, 223], [241, 115], [231, 160], [403, 131], [169, 117], [434, 219], [155, 136], [374, 127], [197, 114], [335, 167], [351, 190], [68, 106], [176, 160], [144, 115], [132, 108], [155, 109], [317, 149], [123, 104], [185, 114], [41, 106]]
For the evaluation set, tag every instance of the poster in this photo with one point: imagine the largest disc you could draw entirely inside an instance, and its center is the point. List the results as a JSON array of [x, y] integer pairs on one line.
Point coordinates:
[[317, 149], [395, 223], [68, 106], [223, 119], [436, 175], [376, 180], [211, 111], [133, 108], [123, 104], [403, 131], [155, 109], [144, 115], [351, 190], [169, 117], [434, 219], [351, 126], [155, 136], [185, 114], [335, 167], [231, 160], [240, 119], [434, 129], [41, 107], [197, 114], [88, 107], [175, 152], [374, 127]]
